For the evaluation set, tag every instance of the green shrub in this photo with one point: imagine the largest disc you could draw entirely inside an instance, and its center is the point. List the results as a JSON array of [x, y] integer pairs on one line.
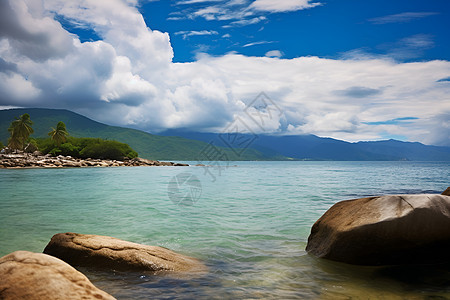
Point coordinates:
[[107, 150], [88, 148], [69, 149], [55, 152], [45, 145], [1, 145]]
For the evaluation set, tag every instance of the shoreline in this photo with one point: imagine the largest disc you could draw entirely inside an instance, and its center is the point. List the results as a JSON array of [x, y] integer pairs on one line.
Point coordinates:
[[37, 161]]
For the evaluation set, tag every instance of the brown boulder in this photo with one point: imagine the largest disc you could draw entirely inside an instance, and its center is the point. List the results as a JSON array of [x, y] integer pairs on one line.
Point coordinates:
[[385, 230], [111, 253], [446, 192], [28, 275]]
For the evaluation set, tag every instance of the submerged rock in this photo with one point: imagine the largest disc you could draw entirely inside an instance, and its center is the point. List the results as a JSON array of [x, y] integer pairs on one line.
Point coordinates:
[[28, 275], [111, 253], [385, 230]]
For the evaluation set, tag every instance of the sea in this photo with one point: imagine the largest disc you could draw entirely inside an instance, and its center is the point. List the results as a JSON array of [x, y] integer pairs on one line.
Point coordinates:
[[248, 222]]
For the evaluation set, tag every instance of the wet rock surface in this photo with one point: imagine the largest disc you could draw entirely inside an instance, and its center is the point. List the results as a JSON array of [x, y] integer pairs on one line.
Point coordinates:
[[385, 230], [114, 254], [28, 275]]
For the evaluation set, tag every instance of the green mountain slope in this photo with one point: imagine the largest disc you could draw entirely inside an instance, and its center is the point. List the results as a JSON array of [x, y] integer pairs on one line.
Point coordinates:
[[147, 145]]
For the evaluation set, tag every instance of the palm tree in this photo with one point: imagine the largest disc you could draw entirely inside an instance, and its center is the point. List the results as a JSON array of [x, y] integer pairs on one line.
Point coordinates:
[[59, 135], [20, 129]]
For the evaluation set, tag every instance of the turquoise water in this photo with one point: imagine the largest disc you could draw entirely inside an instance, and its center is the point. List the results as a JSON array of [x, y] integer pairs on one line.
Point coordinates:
[[249, 226]]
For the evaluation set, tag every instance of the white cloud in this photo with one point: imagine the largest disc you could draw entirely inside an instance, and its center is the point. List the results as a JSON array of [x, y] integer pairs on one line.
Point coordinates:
[[258, 43], [401, 17], [245, 22], [187, 34], [128, 77], [406, 48], [239, 12], [282, 5], [274, 53], [195, 1], [409, 47]]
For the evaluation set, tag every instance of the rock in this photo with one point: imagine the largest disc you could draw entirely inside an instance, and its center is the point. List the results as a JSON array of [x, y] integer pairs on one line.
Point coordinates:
[[28, 275], [7, 150], [385, 230], [111, 253], [71, 164], [446, 192], [20, 159]]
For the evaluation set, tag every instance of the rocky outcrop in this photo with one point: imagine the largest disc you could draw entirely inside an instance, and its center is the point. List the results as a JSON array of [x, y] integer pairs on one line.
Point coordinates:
[[111, 253], [386, 230], [27, 275], [37, 160]]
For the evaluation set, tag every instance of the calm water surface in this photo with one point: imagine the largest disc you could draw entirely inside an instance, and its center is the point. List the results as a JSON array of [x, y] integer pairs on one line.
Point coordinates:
[[250, 225]]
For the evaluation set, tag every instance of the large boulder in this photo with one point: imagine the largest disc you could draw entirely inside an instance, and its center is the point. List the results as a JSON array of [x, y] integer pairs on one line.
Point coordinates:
[[385, 230], [111, 253], [27, 275]]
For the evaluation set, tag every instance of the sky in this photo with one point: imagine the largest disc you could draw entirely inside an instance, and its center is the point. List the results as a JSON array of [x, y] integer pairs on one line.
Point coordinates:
[[347, 69]]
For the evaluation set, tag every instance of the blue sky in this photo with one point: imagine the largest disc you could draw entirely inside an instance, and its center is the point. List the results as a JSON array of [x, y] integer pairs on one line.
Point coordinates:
[[349, 69], [406, 30]]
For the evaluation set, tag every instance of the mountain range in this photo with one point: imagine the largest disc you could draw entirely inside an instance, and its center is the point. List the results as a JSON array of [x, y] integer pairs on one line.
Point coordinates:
[[197, 146], [312, 147]]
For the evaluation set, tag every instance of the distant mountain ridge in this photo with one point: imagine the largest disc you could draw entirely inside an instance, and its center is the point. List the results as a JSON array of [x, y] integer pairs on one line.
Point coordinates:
[[186, 145], [311, 147]]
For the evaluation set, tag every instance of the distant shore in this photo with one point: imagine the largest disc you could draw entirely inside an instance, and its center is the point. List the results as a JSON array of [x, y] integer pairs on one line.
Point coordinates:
[[37, 160]]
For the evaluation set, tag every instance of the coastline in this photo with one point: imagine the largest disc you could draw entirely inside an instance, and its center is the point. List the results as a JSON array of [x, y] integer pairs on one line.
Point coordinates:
[[37, 161]]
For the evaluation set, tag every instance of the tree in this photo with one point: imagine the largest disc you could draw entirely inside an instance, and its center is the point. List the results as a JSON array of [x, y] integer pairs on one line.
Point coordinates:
[[20, 129], [59, 135]]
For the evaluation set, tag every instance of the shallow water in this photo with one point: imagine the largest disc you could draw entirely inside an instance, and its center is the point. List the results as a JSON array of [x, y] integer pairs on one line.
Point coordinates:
[[250, 225]]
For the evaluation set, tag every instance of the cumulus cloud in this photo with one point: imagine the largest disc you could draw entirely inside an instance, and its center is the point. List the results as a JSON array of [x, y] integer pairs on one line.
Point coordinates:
[[32, 33], [7, 66], [128, 78]]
